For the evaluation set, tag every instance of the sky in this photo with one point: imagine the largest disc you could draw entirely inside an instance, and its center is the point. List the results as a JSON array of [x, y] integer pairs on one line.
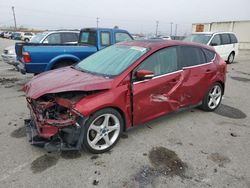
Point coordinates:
[[136, 16]]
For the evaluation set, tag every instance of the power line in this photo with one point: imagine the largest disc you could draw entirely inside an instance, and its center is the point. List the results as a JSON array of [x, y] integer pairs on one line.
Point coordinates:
[[156, 30], [97, 22]]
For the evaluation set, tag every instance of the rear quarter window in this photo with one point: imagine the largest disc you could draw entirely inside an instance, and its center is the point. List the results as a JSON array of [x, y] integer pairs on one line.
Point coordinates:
[[233, 38], [209, 55], [190, 56]]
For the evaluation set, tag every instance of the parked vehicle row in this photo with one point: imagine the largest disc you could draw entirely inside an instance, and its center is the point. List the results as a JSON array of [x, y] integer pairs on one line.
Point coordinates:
[[51, 54], [225, 43], [127, 84]]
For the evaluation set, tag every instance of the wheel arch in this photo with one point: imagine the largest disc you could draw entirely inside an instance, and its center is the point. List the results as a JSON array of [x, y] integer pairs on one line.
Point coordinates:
[[61, 58]]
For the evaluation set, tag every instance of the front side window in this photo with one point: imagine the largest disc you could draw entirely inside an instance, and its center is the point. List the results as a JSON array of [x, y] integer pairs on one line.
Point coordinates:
[[111, 61], [161, 62], [225, 38], [119, 37], [105, 38], [190, 56], [38, 37], [54, 38], [215, 41], [199, 38]]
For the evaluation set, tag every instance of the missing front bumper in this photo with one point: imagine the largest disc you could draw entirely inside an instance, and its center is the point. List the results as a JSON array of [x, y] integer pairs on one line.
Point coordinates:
[[57, 142]]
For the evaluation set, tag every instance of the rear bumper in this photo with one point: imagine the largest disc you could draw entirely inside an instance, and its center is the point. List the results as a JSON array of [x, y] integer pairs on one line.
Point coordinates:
[[10, 59]]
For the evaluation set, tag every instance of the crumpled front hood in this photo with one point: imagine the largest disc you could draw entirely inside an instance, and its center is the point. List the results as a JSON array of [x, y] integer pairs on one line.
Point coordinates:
[[65, 79]]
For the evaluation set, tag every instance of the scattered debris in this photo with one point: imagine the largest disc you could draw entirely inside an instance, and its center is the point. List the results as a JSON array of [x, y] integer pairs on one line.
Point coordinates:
[[144, 154], [230, 112], [203, 152], [19, 133], [43, 162], [9, 123], [97, 172], [95, 182], [215, 170], [219, 159], [94, 157], [149, 127], [234, 135]]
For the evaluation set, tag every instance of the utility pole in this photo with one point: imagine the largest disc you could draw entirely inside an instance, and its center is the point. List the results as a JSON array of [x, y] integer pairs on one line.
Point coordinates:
[[13, 10], [175, 29], [171, 25], [156, 31], [97, 22]]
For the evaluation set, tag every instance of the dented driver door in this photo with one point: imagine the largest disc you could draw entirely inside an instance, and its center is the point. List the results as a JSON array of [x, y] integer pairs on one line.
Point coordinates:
[[159, 95]]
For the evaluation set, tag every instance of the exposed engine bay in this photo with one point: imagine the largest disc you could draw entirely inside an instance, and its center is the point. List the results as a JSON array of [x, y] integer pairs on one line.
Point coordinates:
[[54, 124]]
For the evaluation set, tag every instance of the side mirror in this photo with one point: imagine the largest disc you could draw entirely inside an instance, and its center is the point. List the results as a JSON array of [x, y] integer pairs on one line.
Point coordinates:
[[45, 41], [213, 44], [144, 74]]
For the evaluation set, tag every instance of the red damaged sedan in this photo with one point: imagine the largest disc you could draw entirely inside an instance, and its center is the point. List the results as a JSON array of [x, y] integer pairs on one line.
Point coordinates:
[[89, 105]]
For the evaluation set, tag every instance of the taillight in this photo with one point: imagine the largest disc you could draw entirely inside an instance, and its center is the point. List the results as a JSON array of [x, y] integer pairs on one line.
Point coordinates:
[[26, 57]]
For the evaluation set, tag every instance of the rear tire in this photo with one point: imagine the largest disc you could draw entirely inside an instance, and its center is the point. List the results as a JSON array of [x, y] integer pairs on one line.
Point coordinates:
[[102, 130], [230, 58], [212, 99]]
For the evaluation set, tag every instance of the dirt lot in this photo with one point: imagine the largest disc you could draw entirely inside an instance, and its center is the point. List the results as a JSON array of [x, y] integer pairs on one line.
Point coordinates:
[[191, 148]]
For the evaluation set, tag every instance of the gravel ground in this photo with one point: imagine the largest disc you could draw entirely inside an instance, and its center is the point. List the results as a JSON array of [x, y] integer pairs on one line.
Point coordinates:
[[190, 148]]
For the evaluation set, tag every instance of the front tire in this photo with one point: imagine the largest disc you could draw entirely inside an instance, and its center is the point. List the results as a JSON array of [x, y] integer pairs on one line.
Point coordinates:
[[102, 130], [213, 98]]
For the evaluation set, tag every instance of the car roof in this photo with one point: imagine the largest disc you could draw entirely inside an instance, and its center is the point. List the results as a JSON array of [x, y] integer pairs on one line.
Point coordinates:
[[157, 44], [212, 32], [100, 28]]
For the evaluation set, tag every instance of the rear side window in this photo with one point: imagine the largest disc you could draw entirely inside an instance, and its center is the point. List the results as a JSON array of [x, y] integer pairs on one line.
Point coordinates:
[[69, 37], [225, 39], [233, 38], [119, 37], [88, 38], [209, 55], [190, 56], [105, 38]]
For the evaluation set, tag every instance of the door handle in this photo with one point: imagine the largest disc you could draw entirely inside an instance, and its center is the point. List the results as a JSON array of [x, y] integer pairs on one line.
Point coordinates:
[[208, 71]]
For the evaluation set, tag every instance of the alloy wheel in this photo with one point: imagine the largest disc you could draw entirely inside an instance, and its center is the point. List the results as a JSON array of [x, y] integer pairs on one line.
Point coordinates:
[[214, 98], [103, 131]]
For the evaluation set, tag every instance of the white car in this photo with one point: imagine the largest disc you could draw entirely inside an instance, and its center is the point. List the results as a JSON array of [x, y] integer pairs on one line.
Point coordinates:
[[26, 36], [55, 37], [225, 43], [7, 34]]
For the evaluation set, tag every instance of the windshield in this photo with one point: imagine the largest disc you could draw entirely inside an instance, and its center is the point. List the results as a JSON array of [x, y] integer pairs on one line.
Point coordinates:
[[199, 38], [112, 60], [38, 37]]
